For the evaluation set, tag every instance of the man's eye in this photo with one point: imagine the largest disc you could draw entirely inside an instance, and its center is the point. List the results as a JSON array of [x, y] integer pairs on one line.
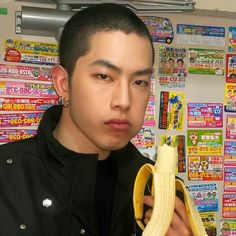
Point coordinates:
[[141, 83], [103, 77]]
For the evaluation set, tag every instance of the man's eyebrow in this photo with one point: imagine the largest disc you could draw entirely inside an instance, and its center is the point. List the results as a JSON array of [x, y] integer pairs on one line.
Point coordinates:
[[107, 64], [147, 71]]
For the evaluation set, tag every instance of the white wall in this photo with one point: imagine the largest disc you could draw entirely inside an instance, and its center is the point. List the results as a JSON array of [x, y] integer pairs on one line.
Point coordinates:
[[219, 5]]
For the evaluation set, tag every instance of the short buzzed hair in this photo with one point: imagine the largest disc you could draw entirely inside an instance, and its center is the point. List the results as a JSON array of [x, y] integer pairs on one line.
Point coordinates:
[[77, 33]]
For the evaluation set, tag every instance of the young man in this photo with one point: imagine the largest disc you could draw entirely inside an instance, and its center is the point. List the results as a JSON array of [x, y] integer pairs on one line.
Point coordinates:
[[76, 176]]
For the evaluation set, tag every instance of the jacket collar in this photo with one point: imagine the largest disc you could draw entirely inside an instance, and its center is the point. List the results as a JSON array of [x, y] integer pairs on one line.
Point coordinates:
[[52, 152], [61, 163]]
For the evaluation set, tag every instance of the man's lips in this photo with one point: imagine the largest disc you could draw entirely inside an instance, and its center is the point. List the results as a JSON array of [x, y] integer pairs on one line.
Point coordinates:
[[118, 124]]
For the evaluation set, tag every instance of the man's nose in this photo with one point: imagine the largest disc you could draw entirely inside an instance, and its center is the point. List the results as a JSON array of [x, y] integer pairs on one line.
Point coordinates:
[[121, 98]]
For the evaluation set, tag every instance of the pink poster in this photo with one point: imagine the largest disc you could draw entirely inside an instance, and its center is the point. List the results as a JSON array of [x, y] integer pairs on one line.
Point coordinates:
[[229, 205], [150, 119], [20, 119], [230, 153], [205, 115], [10, 135], [231, 126], [26, 89], [26, 104], [230, 179], [25, 72]]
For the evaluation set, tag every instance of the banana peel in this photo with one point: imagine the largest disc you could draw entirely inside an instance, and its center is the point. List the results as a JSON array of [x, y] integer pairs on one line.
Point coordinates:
[[164, 187]]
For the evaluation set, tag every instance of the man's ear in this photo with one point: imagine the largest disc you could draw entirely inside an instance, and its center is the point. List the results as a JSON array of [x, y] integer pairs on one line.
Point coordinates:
[[60, 81]]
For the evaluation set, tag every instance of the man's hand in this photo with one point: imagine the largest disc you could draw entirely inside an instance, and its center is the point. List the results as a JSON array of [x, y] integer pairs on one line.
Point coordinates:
[[179, 225]]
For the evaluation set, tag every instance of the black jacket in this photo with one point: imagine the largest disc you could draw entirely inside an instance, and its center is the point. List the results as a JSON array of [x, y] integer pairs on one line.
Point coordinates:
[[48, 190]]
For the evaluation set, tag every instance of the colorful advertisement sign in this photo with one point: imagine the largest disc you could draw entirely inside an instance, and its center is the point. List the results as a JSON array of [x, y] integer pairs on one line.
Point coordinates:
[[171, 110], [229, 206], [20, 119], [230, 179], [150, 118], [26, 89], [232, 39], [205, 168], [205, 196], [25, 72], [160, 28], [26, 104], [31, 52], [10, 135], [205, 115], [206, 61], [145, 141], [3, 11], [231, 68], [231, 126], [204, 142], [209, 222], [230, 153], [230, 97], [200, 34], [227, 227], [153, 84], [172, 66]]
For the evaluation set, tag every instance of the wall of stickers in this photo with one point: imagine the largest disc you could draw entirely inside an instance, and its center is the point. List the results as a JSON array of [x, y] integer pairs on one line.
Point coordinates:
[[25, 83], [193, 97]]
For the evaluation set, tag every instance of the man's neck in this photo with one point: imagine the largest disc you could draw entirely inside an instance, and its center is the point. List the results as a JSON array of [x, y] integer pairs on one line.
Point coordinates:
[[69, 138]]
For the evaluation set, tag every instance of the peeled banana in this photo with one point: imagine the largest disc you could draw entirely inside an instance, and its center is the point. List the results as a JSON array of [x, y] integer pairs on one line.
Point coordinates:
[[163, 189]]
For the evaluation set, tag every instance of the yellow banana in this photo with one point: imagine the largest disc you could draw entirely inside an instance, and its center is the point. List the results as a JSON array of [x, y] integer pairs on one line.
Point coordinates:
[[163, 189]]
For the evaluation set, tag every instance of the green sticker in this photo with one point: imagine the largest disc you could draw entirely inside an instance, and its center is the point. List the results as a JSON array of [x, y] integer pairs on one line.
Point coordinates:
[[3, 11]]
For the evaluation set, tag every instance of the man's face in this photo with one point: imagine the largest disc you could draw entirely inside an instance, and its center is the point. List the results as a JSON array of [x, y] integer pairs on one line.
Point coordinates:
[[109, 90], [171, 63], [179, 64]]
